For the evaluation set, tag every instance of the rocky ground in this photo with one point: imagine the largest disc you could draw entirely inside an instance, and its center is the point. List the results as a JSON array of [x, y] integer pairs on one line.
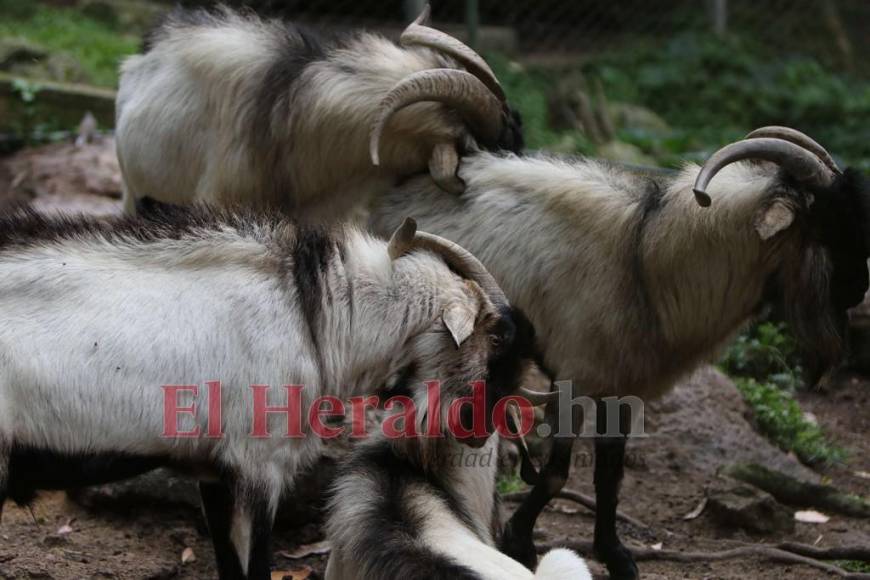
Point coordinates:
[[694, 433]]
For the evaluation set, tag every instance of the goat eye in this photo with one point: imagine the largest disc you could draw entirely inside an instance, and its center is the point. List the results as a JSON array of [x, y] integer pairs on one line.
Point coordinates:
[[496, 340]]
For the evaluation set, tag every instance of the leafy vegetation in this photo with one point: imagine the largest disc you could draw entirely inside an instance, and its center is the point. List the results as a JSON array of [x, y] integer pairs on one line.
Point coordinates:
[[764, 362], [93, 47], [718, 88], [528, 91], [781, 419], [767, 352], [509, 484]]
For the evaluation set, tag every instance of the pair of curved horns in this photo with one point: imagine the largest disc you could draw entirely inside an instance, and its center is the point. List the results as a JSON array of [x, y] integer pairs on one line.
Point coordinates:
[[801, 156], [474, 93], [420, 34], [407, 238]]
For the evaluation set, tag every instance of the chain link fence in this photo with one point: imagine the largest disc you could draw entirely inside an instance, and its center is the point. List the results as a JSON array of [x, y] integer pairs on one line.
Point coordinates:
[[834, 31]]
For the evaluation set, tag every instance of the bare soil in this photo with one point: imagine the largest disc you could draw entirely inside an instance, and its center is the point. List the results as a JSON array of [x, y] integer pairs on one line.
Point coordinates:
[[695, 431]]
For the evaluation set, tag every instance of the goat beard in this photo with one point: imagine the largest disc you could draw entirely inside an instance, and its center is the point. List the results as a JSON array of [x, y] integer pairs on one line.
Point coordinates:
[[819, 325]]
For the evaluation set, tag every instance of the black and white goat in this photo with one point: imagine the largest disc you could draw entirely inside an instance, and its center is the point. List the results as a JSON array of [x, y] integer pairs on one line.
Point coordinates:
[[631, 283], [427, 507], [399, 511], [230, 108], [98, 316]]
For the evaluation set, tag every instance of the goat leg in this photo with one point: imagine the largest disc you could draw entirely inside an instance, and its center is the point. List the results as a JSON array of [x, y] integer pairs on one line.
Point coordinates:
[[609, 462], [517, 539], [218, 505], [262, 519]]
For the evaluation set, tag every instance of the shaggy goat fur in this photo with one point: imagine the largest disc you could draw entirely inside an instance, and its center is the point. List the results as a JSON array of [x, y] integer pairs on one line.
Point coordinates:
[[98, 316], [227, 107], [630, 284], [396, 513]]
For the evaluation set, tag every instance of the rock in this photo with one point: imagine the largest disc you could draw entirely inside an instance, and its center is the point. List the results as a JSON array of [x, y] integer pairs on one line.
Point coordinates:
[[625, 153], [631, 116], [734, 504], [53, 540], [705, 418], [62, 103], [158, 487], [14, 51]]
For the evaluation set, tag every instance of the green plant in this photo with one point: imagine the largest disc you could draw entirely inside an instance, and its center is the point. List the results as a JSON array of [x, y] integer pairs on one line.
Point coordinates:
[[766, 352], [26, 90], [528, 91], [718, 88], [509, 484], [856, 566], [780, 418], [95, 46]]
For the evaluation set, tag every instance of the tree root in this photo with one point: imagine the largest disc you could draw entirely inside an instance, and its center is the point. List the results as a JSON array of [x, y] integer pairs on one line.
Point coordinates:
[[789, 552], [580, 498], [791, 491]]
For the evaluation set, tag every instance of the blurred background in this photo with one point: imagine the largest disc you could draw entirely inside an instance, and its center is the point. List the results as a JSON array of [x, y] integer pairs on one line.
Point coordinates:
[[650, 83]]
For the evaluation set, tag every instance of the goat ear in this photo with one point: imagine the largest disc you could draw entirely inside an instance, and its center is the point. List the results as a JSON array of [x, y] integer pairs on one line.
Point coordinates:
[[459, 320], [773, 219], [535, 379]]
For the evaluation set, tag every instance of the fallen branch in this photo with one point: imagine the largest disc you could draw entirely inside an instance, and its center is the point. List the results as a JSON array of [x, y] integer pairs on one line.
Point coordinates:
[[789, 490], [580, 498], [749, 550], [837, 553]]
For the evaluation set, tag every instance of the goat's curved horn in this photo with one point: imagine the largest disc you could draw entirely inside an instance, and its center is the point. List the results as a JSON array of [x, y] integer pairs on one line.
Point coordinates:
[[798, 138], [443, 164], [455, 255], [457, 89], [537, 398], [799, 162], [402, 239], [417, 33]]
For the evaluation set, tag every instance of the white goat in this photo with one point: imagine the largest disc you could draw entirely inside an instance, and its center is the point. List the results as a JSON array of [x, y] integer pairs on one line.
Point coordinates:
[[99, 315], [229, 108]]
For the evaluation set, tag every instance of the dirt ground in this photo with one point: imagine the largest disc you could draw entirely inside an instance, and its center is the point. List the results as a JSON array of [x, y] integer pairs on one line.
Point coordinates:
[[695, 431]]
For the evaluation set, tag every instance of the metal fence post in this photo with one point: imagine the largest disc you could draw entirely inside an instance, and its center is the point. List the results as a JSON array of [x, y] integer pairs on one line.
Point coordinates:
[[413, 8], [472, 21], [719, 15]]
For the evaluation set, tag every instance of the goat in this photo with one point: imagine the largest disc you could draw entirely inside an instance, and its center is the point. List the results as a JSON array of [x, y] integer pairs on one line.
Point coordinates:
[[631, 284], [427, 507], [99, 315], [398, 511], [233, 109]]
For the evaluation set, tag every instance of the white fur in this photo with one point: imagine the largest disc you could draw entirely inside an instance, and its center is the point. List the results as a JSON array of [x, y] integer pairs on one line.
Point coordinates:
[[93, 327], [441, 531], [560, 238], [187, 125]]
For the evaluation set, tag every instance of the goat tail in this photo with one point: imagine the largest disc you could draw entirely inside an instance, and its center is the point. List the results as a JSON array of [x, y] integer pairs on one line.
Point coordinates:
[[562, 564]]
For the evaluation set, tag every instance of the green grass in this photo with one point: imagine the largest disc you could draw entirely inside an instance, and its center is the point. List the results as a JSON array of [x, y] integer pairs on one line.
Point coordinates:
[[780, 418], [94, 45]]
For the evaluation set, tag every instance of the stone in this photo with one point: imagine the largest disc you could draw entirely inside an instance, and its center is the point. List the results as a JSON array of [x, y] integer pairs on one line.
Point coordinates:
[[734, 504]]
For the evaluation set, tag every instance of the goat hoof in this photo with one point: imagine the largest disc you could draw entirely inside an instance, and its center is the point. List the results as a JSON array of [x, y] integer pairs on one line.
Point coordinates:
[[620, 563], [521, 549]]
